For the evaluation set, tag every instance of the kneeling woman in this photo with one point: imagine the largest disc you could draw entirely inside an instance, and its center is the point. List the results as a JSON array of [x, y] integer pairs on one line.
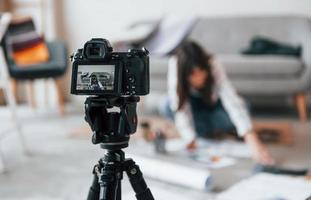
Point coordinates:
[[203, 102]]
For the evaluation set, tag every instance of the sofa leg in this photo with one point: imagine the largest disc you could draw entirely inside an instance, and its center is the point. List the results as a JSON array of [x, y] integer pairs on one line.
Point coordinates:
[[46, 92], [60, 96], [31, 94], [301, 104]]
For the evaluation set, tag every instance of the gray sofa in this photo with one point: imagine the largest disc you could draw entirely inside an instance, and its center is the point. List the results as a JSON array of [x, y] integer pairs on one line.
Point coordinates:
[[265, 75]]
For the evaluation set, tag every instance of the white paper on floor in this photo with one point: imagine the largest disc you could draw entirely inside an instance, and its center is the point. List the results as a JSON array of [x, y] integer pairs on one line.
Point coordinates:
[[265, 186], [162, 194], [225, 148], [213, 162], [172, 173], [229, 148]]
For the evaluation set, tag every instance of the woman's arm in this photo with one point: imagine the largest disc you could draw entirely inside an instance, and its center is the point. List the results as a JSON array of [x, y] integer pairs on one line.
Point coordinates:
[[233, 104], [184, 124], [172, 83], [240, 117]]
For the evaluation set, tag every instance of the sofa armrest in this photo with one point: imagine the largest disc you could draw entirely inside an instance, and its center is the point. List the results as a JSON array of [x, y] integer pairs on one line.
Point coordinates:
[[305, 37]]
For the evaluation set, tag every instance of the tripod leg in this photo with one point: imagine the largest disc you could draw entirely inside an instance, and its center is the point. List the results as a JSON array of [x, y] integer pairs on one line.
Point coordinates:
[[94, 190], [137, 181], [109, 182], [119, 196], [105, 186]]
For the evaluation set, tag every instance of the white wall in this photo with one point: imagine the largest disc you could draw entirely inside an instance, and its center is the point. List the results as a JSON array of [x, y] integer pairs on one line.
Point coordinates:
[[78, 20], [84, 19]]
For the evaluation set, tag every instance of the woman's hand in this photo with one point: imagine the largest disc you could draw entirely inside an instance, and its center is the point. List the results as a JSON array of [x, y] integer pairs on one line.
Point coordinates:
[[260, 152]]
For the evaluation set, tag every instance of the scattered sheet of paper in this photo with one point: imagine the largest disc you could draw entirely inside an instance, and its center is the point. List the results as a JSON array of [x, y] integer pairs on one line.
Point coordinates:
[[211, 153], [269, 187], [225, 148], [214, 162]]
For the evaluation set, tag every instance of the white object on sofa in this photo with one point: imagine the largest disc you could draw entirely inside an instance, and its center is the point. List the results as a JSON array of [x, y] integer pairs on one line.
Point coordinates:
[[171, 32]]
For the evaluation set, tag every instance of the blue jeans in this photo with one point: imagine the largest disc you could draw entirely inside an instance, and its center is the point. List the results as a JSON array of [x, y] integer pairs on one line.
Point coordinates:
[[209, 121]]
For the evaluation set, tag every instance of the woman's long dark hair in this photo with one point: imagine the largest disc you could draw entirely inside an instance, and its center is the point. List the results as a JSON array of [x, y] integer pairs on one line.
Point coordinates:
[[191, 55]]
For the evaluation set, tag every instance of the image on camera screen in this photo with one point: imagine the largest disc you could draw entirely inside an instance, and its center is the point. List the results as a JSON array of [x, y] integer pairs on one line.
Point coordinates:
[[95, 77]]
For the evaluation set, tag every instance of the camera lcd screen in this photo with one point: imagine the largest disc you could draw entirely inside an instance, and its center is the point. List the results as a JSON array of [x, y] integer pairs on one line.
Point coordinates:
[[95, 77]]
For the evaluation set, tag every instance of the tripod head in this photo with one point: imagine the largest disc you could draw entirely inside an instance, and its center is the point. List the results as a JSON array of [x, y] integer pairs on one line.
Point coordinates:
[[110, 128]]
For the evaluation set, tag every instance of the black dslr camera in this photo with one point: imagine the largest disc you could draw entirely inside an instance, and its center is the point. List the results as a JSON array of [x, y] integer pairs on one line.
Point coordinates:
[[113, 79], [97, 70]]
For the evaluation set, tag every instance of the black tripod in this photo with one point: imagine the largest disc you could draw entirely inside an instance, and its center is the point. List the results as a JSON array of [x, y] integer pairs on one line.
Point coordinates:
[[112, 130]]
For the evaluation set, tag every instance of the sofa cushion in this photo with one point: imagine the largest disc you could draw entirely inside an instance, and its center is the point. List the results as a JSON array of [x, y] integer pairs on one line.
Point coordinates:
[[259, 66]]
